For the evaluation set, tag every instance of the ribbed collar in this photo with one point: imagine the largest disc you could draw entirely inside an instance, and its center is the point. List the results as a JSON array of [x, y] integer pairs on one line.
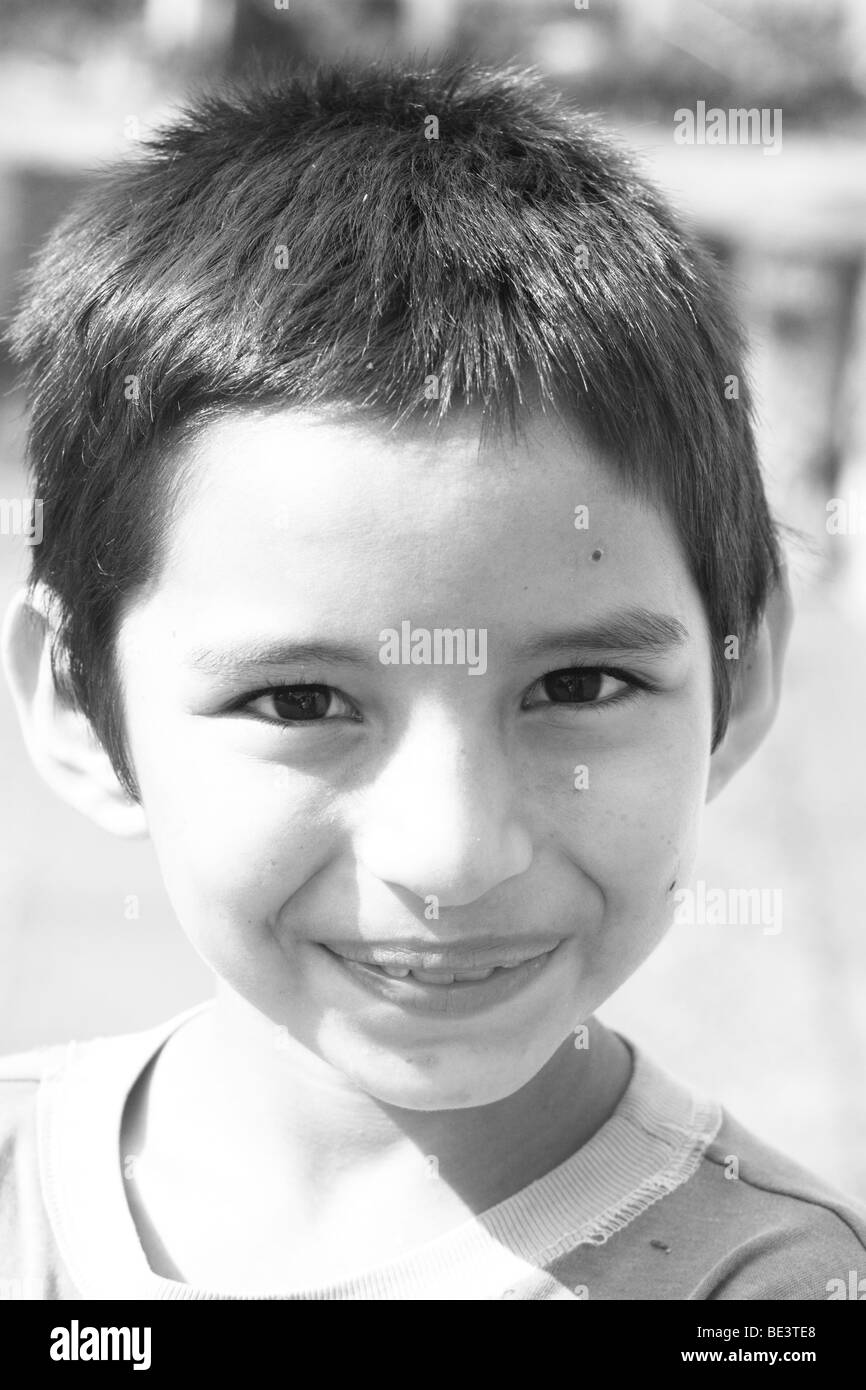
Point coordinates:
[[651, 1144]]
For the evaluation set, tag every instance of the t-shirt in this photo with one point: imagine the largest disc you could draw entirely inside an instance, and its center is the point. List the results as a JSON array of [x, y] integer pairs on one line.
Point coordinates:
[[670, 1199]]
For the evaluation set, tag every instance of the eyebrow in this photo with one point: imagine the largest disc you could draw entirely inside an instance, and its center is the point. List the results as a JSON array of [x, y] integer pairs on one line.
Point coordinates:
[[279, 654], [636, 631], [633, 631]]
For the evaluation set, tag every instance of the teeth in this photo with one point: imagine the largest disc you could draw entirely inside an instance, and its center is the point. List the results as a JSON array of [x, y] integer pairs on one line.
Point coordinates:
[[440, 976], [436, 977]]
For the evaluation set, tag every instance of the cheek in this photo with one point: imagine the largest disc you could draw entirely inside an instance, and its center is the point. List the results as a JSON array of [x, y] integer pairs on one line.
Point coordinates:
[[640, 834], [235, 836], [625, 810], [626, 814], [645, 838]]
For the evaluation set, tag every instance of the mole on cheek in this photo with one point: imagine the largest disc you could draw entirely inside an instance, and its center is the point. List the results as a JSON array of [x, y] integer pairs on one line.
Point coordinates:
[[597, 554]]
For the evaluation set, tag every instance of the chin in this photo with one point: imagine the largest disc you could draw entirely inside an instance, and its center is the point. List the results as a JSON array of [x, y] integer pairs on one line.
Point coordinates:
[[436, 1082]]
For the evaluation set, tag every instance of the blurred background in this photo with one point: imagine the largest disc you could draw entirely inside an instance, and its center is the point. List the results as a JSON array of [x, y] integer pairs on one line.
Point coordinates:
[[772, 1023]]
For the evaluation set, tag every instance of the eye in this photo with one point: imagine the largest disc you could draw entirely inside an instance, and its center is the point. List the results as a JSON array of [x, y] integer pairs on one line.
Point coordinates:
[[583, 685], [299, 704]]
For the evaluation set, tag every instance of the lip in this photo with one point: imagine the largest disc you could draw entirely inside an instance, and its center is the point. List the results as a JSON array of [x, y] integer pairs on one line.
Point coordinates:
[[452, 1001], [490, 954]]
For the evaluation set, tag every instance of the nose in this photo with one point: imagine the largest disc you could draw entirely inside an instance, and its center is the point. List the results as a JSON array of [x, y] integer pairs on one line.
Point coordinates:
[[441, 819]]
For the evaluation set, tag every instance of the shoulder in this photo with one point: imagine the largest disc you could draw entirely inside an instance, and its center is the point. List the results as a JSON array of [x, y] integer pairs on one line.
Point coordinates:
[[21, 1074], [29, 1267], [28, 1068], [788, 1234], [60, 1108], [718, 1213]]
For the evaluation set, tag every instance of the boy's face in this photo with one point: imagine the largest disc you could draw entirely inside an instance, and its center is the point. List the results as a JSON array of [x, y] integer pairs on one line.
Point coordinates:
[[529, 814]]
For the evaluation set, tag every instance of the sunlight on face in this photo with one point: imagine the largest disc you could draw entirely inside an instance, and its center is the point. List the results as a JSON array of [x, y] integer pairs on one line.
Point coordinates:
[[413, 802]]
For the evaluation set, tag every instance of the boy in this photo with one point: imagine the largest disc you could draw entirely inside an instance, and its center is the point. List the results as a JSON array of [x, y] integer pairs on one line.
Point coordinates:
[[395, 523]]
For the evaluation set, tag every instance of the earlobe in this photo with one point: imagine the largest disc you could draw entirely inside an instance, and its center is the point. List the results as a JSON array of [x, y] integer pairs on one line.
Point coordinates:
[[59, 739], [757, 690]]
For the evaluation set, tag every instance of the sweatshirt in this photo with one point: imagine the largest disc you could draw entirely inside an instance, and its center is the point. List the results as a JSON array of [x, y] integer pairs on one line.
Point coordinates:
[[670, 1199]]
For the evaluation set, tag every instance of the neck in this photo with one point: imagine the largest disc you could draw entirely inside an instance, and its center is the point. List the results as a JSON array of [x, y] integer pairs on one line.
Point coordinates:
[[271, 1104]]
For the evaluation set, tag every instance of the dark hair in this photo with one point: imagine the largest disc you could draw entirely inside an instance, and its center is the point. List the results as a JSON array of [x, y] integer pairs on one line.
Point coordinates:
[[316, 239]]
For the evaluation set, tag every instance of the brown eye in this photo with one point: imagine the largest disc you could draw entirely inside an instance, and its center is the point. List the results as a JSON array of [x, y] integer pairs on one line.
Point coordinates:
[[573, 687], [283, 705], [301, 702], [588, 687]]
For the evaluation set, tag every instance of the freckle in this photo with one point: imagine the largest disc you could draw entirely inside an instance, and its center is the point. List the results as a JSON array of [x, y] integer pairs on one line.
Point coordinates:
[[660, 1245], [597, 554]]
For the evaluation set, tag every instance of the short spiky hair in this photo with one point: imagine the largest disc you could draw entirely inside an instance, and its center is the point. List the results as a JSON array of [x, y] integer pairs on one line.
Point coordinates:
[[335, 239]]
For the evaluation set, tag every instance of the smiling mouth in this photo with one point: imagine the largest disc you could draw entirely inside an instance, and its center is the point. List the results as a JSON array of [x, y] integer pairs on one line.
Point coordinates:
[[442, 966]]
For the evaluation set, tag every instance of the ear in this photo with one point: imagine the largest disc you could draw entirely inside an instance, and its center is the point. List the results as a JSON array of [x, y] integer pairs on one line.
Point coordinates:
[[59, 739], [757, 689]]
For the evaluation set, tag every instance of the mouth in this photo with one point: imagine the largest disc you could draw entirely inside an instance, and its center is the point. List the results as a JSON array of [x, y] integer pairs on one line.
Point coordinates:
[[463, 964]]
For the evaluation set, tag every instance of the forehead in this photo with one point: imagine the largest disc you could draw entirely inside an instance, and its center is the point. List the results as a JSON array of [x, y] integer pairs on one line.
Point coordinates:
[[285, 514]]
